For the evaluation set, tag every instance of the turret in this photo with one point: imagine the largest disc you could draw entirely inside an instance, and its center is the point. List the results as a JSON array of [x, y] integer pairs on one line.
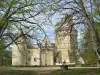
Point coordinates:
[[19, 50]]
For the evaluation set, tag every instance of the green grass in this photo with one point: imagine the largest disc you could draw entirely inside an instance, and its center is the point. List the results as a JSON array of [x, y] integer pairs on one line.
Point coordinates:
[[16, 72], [77, 72]]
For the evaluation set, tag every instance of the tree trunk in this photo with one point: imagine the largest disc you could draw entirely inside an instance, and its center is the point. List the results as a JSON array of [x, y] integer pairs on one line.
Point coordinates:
[[93, 32]]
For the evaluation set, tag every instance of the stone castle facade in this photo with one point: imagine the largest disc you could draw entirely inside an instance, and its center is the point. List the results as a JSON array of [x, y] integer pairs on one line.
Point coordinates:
[[46, 53]]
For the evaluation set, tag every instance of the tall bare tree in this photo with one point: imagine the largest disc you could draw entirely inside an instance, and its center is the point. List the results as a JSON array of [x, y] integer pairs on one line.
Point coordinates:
[[16, 15], [82, 15]]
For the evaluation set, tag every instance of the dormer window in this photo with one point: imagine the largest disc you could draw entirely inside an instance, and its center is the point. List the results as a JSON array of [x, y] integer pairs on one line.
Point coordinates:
[[46, 44]]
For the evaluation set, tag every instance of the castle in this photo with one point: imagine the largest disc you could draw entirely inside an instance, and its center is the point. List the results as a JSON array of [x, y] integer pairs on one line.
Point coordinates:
[[46, 53]]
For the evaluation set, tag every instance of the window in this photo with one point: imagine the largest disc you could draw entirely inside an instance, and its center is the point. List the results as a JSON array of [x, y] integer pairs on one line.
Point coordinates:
[[28, 51], [35, 59], [29, 58]]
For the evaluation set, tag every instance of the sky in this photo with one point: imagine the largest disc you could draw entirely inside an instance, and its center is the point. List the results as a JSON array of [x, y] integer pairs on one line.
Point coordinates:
[[50, 30], [49, 27]]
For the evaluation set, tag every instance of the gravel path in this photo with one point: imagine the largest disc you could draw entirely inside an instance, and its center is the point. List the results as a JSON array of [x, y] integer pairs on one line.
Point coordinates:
[[44, 72]]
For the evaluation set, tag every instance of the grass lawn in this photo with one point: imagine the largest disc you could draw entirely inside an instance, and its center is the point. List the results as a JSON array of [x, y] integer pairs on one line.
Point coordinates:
[[16, 72], [77, 72]]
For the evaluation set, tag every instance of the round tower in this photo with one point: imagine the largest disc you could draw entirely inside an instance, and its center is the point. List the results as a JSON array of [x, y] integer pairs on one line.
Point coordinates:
[[19, 51]]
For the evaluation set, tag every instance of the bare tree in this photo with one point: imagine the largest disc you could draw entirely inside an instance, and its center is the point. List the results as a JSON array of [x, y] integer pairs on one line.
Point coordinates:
[[16, 15], [94, 34], [82, 15]]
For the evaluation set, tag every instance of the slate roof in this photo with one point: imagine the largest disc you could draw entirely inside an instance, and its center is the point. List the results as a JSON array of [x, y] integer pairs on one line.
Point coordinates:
[[30, 45]]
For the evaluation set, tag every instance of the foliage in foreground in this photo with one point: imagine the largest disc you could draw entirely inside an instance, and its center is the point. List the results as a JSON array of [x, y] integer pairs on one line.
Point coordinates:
[[77, 72], [16, 72]]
